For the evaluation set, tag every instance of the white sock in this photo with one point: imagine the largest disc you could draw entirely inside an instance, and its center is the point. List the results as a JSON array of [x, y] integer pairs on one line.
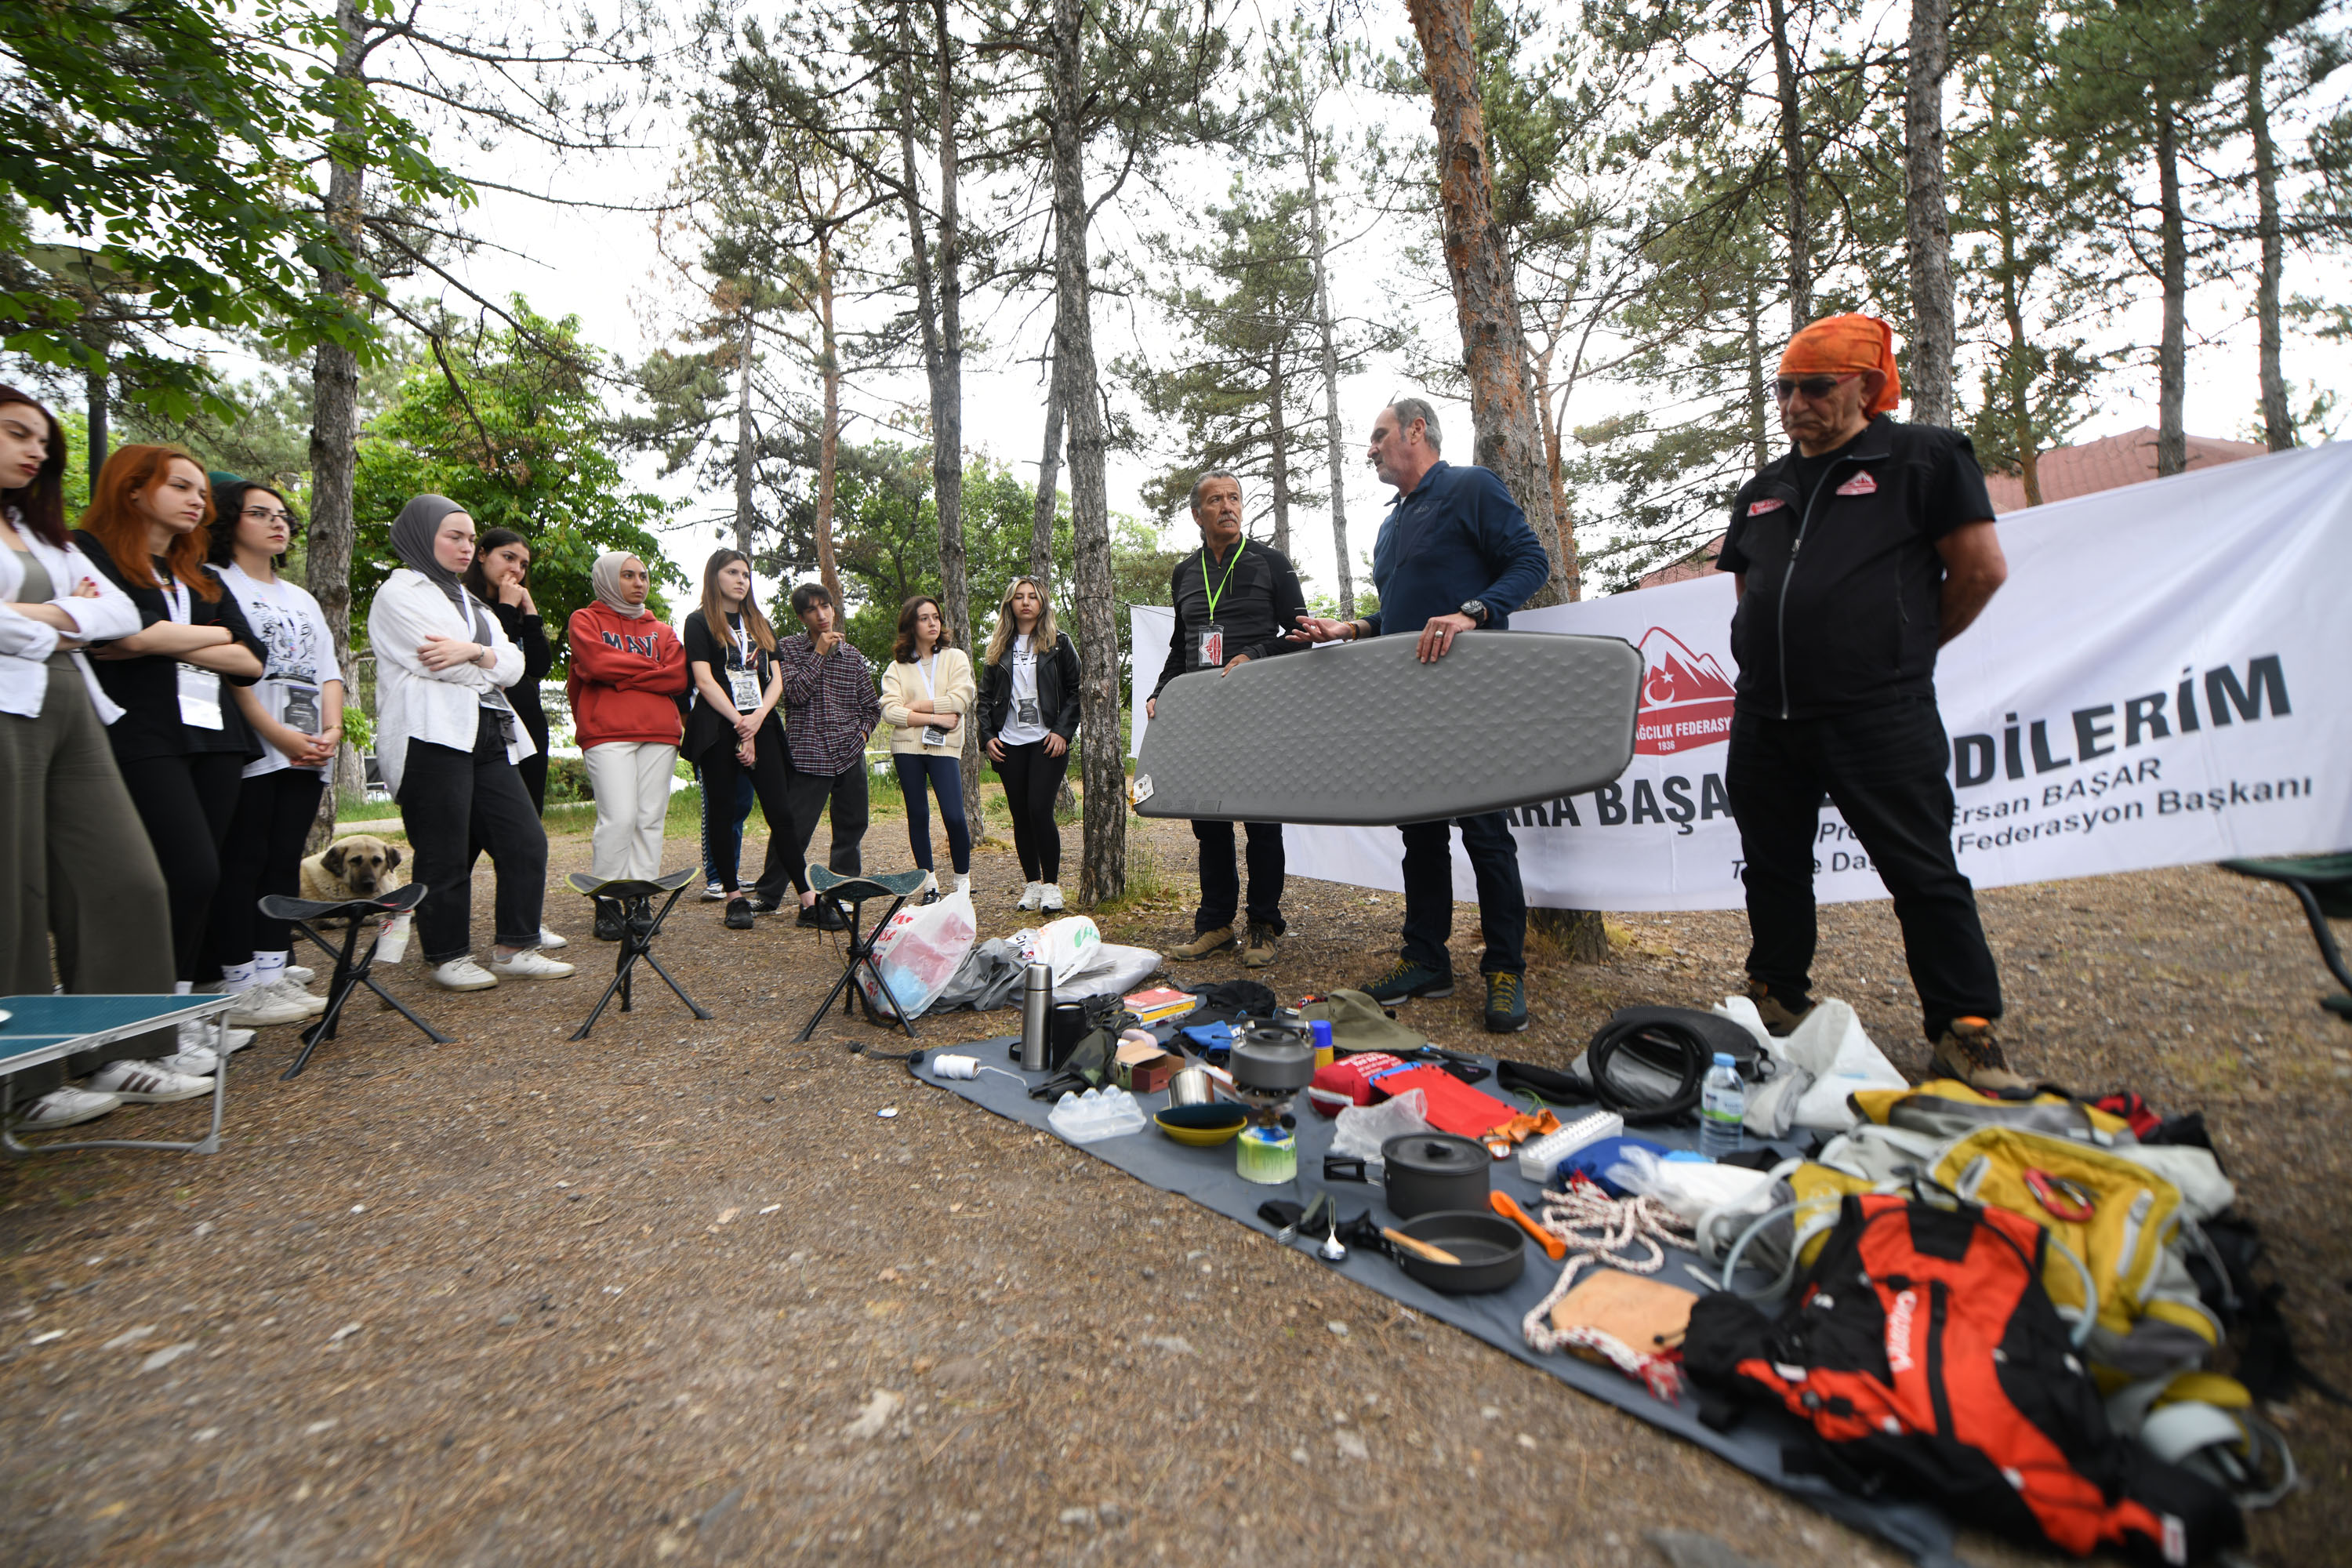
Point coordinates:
[[268, 968], [183, 987], [236, 976]]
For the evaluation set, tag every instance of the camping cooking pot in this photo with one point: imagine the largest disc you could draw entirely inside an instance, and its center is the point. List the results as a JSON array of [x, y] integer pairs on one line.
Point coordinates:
[[1274, 1059], [1423, 1172], [1489, 1252]]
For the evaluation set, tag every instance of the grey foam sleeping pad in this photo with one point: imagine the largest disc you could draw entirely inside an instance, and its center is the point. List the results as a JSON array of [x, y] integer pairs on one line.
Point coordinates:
[[1365, 734]]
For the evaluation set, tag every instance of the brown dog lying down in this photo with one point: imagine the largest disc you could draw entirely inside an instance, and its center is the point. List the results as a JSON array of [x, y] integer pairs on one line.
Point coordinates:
[[360, 866]]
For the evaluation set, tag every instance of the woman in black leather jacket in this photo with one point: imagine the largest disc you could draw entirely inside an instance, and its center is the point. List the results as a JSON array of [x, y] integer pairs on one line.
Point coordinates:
[[1028, 718]]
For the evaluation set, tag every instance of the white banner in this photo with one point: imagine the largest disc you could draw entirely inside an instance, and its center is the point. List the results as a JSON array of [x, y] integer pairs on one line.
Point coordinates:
[[2165, 679], [1149, 628]]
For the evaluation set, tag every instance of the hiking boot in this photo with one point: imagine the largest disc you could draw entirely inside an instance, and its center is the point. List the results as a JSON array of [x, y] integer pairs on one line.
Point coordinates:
[[1260, 951], [1506, 1004], [739, 915], [609, 920], [1203, 944], [1968, 1050], [1408, 980], [1780, 1019]]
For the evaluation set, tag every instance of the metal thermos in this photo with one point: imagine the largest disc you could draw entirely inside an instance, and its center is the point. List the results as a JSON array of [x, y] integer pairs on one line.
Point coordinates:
[[1036, 1006]]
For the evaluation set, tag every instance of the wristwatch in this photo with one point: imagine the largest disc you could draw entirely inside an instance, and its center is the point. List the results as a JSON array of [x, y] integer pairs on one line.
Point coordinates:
[[1474, 610]]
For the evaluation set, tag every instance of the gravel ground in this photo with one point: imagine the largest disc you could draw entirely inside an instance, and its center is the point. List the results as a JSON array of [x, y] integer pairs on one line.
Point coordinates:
[[679, 1293]]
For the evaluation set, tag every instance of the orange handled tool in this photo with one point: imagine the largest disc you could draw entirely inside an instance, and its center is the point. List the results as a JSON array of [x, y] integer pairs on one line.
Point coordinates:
[[1505, 1205]]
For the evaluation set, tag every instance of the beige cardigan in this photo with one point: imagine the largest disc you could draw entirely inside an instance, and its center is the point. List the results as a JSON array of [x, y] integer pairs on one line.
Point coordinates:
[[903, 683]]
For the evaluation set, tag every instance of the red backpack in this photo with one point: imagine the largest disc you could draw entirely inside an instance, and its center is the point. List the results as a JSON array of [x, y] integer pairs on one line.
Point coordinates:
[[1924, 1355]]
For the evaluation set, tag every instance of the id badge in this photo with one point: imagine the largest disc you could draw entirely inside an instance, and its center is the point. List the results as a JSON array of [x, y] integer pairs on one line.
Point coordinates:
[[745, 685], [297, 709], [200, 701], [1212, 646], [934, 736]]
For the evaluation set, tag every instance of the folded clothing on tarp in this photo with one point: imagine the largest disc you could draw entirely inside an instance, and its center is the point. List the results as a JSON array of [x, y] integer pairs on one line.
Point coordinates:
[[1208, 1176]]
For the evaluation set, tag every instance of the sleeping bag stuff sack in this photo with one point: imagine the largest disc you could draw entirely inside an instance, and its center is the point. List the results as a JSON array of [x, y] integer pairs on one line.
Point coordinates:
[[1924, 1354]]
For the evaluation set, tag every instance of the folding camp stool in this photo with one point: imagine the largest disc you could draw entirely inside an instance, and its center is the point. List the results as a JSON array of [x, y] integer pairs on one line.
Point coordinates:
[[848, 896], [37, 1029], [640, 923], [2323, 885], [352, 967]]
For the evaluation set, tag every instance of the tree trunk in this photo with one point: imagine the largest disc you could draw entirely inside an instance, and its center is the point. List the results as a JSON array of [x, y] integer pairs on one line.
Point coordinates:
[[1103, 858], [1494, 346], [2017, 371], [334, 433], [745, 437], [2172, 350], [95, 398], [1330, 375], [1760, 440], [2278, 423], [1049, 476], [828, 450], [1927, 215], [1792, 167], [1278, 438], [946, 399]]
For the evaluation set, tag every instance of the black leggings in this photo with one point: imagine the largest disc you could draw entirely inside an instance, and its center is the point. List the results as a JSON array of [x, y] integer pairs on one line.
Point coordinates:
[[783, 865], [187, 804], [1032, 781], [263, 856], [452, 801]]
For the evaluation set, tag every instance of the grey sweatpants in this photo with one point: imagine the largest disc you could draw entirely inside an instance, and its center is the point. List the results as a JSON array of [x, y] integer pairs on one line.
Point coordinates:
[[74, 862]]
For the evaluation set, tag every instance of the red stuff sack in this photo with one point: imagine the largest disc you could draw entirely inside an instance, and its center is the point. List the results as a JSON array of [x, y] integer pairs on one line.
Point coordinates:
[[1923, 1354]]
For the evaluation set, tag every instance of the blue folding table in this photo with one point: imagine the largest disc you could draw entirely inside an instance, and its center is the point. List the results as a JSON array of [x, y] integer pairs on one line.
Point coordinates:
[[43, 1028]]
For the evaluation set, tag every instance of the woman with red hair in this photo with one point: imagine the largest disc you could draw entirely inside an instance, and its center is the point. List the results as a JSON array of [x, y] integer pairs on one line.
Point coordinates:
[[182, 744], [73, 860]]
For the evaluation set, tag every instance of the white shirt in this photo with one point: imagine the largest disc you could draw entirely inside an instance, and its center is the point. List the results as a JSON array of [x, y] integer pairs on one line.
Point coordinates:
[[301, 648], [443, 706], [25, 643], [1023, 660]]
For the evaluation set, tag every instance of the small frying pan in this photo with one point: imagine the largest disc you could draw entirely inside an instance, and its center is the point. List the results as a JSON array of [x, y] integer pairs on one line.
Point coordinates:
[[1493, 1251]]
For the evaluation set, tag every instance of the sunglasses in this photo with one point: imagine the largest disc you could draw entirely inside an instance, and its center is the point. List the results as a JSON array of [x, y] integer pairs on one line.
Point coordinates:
[[1815, 387]]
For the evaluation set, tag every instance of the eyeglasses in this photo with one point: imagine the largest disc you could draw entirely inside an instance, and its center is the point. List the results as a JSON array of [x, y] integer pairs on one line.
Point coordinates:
[[1815, 387], [267, 514]]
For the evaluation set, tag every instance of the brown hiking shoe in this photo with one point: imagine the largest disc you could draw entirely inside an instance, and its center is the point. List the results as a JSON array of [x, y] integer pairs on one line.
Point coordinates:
[[1260, 951], [1777, 1020], [1968, 1050], [1207, 943]]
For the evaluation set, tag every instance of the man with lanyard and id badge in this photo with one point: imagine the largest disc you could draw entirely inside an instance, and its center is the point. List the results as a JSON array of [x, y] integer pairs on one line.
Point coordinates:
[[1235, 600]]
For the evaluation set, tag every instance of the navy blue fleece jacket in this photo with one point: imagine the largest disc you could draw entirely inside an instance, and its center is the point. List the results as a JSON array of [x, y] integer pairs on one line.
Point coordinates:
[[1458, 536]]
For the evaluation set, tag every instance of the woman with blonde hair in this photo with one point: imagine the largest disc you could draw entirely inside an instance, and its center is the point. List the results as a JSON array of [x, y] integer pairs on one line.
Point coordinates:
[[1028, 717], [926, 695], [732, 728]]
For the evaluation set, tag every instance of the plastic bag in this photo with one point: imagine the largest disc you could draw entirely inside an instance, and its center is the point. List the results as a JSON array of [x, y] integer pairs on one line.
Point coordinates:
[[918, 954], [1689, 1187], [1830, 1046], [1362, 1129], [1069, 947]]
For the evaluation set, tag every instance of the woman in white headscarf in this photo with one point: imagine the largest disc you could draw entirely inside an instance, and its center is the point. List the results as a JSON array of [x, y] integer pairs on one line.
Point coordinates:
[[627, 673], [448, 739]]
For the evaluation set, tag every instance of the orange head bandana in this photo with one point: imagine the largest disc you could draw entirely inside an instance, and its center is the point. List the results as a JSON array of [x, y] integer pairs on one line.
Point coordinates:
[[1846, 345]]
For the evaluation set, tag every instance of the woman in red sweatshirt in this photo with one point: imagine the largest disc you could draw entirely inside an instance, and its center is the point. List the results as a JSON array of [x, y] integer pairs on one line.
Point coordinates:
[[627, 671]]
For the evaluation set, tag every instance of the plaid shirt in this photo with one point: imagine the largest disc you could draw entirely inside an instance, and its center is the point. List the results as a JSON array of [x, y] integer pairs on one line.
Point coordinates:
[[830, 706]]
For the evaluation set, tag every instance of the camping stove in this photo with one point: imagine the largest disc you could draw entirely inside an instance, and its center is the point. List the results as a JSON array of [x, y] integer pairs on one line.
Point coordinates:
[[1271, 1063]]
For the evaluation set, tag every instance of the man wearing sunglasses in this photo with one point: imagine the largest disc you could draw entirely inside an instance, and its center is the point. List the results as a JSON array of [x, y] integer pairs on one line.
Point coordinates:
[[1856, 556]]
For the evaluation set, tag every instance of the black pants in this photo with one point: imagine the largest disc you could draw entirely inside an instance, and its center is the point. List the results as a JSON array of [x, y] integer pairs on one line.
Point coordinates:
[[1429, 893], [451, 803], [1220, 885], [841, 795], [263, 856], [1032, 781], [720, 771], [187, 804], [1885, 768], [919, 773]]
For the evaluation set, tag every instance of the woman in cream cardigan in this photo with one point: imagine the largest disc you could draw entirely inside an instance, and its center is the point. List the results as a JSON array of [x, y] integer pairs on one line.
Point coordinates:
[[926, 697], [447, 740]]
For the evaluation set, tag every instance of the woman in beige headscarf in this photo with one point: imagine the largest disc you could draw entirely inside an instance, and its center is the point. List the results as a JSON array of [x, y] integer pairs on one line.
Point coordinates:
[[627, 673]]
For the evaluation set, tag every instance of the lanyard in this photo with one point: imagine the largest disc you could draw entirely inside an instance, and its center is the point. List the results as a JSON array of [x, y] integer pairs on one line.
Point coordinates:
[[175, 599], [1212, 593], [923, 668], [743, 644]]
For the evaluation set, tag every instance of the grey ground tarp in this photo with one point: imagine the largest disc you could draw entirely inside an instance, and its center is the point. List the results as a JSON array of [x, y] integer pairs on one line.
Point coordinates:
[[1207, 1176]]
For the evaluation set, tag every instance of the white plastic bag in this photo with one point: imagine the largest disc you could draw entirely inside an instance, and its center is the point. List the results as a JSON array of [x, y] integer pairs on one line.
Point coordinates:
[[918, 954], [1362, 1129], [1829, 1045], [1069, 947]]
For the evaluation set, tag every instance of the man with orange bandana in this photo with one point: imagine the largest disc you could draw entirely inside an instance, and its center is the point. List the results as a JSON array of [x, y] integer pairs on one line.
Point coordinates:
[[1855, 557]]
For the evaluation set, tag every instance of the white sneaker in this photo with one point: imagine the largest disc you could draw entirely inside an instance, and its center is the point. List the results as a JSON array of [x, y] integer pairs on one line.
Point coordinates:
[[1050, 900], [1030, 894], [712, 893], [290, 992], [463, 974], [302, 973], [196, 1035], [549, 941], [194, 1061], [261, 1006], [531, 964], [66, 1108], [136, 1082]]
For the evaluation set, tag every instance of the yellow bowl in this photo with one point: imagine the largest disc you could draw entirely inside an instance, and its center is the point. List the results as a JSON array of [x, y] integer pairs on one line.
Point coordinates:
[[1203, 1126]]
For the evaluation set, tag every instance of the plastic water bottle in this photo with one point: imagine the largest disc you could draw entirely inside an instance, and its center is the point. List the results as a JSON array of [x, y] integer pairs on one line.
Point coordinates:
[[1721, 1104]]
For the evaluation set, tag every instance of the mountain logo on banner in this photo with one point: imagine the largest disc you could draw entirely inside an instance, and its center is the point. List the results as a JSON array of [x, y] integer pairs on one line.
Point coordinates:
[[1686, 697]]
